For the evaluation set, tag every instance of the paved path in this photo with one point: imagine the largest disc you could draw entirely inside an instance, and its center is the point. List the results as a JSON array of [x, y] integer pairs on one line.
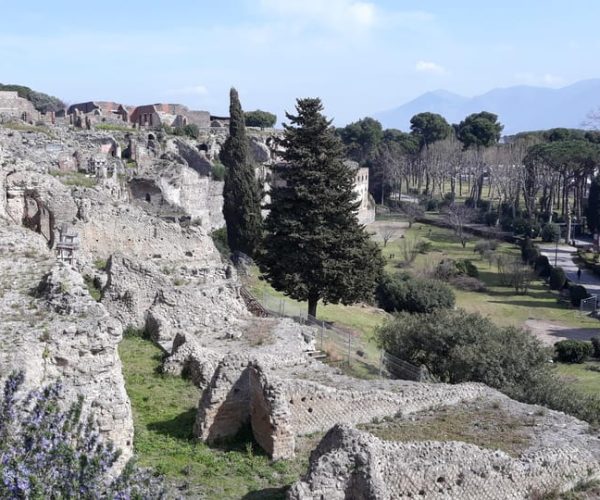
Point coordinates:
[[562, 256]]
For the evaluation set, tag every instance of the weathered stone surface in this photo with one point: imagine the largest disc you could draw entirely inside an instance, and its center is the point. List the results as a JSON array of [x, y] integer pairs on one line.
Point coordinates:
[[353, 464], [52, 329]]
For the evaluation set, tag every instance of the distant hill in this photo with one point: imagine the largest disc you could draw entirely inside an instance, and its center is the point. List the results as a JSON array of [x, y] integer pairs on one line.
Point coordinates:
[[519, 108]]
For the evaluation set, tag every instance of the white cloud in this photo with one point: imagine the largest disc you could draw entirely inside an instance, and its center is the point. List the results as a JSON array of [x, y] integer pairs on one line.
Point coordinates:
[[429, 67], [336, 14]]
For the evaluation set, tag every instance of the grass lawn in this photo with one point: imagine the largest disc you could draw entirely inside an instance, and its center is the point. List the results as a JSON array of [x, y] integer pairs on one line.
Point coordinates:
[[164, 409], [500, 303], [360, 319], [581, 376]]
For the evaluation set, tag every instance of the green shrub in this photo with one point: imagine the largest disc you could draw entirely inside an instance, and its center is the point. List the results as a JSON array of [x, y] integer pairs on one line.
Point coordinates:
[[558, 278], [450, 268], [218, 172], [414, 295], [484, 246], [550, 232], [133, 332], [526, 247], [219, 237], [542, 266], [466, 267], [457, 346], [596, 347], [525, 227], [572, 351], [577, 293]]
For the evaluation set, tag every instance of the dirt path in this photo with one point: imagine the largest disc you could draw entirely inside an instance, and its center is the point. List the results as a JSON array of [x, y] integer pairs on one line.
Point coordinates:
[[550, 332]]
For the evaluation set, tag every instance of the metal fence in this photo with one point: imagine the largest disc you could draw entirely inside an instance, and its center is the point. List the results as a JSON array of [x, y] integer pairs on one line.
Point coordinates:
[[341, 346], [589, 305]]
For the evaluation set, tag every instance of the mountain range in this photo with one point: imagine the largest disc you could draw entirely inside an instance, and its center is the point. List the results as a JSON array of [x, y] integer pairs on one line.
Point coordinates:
[[520, 108]]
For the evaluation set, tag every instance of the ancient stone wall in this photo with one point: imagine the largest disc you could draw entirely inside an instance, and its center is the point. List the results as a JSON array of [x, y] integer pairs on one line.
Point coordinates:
[[353, 464]]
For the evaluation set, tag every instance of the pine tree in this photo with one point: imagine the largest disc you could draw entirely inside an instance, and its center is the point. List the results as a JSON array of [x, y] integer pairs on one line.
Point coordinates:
[[314, 248], [241, 195]]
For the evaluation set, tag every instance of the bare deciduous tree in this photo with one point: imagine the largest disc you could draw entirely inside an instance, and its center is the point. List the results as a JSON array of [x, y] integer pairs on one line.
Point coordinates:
[[458, 216]]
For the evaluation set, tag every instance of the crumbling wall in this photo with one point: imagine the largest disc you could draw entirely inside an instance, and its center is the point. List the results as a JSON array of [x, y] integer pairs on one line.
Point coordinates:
[[270, 415], [353, 464], [225, 404]]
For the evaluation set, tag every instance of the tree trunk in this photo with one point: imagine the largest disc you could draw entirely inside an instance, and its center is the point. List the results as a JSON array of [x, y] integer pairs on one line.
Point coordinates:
[[312, 306]]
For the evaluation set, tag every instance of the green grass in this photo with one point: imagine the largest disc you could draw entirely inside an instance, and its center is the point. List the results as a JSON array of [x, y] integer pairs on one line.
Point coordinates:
[[75, 179], [164, 409], [482, 423], [22, 127], [360, 319], [113, 126], [500, 303], [584, 379]]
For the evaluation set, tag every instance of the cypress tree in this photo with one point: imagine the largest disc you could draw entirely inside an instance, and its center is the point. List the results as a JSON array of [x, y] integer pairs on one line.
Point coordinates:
[[593, 207], [241, 195], [314, 248]]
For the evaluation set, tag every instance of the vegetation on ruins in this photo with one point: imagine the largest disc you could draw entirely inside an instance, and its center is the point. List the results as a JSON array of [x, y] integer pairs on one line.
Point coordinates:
[[259, 118], [42, 102], [314, 249], [241, 196], [47, 452]]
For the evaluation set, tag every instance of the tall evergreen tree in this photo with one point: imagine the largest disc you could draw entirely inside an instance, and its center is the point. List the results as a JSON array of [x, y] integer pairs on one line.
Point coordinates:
[[241, 194], [314, 248], [593, 207]]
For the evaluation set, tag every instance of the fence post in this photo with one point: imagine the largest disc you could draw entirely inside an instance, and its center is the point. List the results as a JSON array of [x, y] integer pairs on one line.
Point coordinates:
[[349, 340], [322, 333]]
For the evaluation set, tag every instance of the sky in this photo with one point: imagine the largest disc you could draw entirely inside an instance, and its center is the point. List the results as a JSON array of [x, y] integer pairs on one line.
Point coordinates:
[[359, 57]]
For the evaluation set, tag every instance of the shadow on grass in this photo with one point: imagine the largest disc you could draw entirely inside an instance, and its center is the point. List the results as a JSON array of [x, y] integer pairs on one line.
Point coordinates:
[[525, 303], [179, 427], [266, 494]]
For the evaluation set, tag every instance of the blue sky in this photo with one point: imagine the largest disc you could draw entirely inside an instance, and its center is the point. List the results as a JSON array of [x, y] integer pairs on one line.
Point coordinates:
[[360, 57]]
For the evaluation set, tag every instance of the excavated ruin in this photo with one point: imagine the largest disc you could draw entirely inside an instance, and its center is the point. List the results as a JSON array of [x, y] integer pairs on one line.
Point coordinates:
[[139, 228]]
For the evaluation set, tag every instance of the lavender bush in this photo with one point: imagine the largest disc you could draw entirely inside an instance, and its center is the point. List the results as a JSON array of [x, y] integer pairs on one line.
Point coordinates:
[[46, 452]]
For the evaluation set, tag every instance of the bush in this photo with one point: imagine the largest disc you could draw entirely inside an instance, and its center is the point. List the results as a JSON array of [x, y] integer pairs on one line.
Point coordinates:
[[466, 267], [457, 346], [430, 204], [219, 237], [46, 452], [450, 268], [484, 246], [572, 351], [525, 227], [414, 295], [550, 233], [218, 172], [577, 293], [490, 218], [467, 283], [558, 278], [542, 266], [596, 347]]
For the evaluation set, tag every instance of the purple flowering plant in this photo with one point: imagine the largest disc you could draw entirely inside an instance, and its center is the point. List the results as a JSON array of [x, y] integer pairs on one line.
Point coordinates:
[[48, 452]]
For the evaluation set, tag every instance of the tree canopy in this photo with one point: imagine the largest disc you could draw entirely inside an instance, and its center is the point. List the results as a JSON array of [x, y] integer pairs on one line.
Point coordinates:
[[259, 118], [429, 128], [241, 195], [314, 248], [362, 138], [479, 130]]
